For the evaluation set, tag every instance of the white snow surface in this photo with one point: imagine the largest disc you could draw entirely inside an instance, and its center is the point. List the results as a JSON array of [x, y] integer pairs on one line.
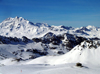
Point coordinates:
[[77, 54], [49, 69], [64, 64], [87, 53], [18, 27]]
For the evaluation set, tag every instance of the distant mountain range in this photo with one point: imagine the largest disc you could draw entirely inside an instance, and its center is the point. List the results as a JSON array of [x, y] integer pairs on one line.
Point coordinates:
[[22, 40], [18, 27]]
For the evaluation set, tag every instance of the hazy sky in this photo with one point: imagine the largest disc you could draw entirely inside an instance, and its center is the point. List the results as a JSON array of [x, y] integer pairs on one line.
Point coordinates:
[[74, 13]]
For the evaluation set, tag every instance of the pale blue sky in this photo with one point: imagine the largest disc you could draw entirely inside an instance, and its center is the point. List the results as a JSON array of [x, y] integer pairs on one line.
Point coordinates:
[[75, 13]]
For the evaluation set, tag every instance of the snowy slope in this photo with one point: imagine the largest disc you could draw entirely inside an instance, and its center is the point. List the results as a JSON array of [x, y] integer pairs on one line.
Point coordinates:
[[49, 44], [46, 40], [18, 27], [37, 48], [89, 31], [88, 52], [47, 69]]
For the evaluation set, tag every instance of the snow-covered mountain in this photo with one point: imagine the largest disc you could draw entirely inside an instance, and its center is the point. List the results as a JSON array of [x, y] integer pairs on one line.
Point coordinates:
[[18, 27], [49, 44], [39, 43], [87, 52]]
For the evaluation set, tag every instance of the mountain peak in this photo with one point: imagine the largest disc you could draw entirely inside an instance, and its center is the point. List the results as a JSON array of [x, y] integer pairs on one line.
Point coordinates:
[[42, 24], [66, 27], [18, 27], [10, 18], [90, 27], [16, 17], [19, 18]]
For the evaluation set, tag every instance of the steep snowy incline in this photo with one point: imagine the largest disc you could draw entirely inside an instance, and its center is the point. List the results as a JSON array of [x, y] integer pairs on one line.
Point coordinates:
[[88, 52], [18, 27], [52, 47], [25, 49], [89, 31]]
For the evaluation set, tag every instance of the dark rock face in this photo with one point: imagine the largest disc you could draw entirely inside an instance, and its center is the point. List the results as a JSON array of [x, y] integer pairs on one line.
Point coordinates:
[[72, 40], [66, 40], [85, 29], [48, 38], [68, 28], [50, 44], [15, 40], [81, 32]]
